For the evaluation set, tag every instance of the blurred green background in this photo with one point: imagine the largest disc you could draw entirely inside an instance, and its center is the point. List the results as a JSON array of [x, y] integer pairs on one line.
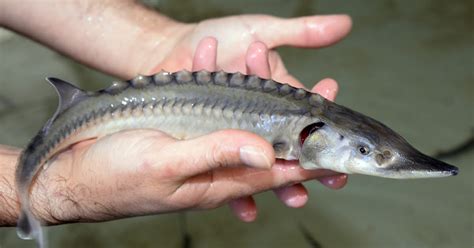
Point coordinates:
[[406, 63]]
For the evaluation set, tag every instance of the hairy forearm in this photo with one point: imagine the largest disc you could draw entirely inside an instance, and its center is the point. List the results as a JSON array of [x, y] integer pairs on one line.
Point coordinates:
[[100, 33], [9, 205]]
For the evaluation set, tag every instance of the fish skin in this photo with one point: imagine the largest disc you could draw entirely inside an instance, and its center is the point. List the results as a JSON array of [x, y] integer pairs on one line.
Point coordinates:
[[276, 111], [166, 101], [170, 101]]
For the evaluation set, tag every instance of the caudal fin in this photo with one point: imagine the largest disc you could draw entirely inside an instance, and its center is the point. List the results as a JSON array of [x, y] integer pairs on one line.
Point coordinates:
[[28, 227]]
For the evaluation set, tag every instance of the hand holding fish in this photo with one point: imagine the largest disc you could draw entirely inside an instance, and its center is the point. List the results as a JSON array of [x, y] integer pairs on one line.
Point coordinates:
[[147, 172], [80, 180]]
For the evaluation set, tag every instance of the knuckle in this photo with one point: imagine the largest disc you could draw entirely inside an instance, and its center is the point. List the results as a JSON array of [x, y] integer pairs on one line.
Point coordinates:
[[217, 156]]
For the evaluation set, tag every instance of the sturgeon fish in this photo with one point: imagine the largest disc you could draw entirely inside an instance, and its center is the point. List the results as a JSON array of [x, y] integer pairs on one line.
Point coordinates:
[[300, 125]]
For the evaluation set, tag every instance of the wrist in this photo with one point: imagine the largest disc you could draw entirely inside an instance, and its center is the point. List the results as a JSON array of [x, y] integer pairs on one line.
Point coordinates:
[[117, 37], [9, 201], [146, 36], [9, 204]]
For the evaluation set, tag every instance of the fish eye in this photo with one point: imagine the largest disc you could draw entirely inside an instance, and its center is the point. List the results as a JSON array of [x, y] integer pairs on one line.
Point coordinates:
[[364, 150]]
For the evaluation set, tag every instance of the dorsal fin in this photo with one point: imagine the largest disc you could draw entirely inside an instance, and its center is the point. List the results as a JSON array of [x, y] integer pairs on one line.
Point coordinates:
[[68, 96]]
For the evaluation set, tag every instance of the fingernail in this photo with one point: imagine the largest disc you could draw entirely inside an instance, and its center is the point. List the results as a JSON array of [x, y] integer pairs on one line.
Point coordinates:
[[330, 181], [247, 216], [254, 157], [334, 182], [296, 201]]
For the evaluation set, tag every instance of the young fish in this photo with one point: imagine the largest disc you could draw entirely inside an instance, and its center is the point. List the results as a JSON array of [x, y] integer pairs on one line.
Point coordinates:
[[300, 125]]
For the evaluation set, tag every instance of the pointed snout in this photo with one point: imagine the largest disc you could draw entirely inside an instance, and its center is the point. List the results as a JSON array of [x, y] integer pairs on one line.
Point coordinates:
[[418, 165]]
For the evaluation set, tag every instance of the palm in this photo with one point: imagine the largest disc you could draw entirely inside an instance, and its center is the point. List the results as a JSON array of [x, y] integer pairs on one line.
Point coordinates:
[[232, 32], [236, 33], [153, 176]]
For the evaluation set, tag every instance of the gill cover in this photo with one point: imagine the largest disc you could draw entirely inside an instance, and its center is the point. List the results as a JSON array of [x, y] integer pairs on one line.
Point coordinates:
[[324, 148]]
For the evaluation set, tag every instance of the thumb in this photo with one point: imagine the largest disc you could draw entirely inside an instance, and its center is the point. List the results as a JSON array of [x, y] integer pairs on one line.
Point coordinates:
[[308, 31], [226, 148]]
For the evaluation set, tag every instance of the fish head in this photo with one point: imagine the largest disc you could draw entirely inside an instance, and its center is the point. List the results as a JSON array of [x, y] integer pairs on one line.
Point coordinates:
[[349, 142]]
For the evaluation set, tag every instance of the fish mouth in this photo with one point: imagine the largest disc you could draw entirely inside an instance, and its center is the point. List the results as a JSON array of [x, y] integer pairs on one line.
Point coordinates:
[[419, 165]]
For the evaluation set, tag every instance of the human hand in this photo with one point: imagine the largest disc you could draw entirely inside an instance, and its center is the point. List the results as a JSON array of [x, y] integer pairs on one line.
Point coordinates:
[[236, 33], [239, 52], [150, 174], [257, 59], [158, 38]]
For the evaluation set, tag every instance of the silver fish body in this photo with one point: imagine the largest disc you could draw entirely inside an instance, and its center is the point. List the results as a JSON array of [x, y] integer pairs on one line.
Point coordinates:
[[300, 125]]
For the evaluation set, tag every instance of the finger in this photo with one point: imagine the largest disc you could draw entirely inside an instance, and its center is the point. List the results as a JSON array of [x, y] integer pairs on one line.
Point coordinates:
[[225, 148], [310, 31], [259, 62], [205, 55], [244, 208], [279, 72], [334, 182], [294, 196], [327, 88], [239, 182], [288, 79], [256, 60]]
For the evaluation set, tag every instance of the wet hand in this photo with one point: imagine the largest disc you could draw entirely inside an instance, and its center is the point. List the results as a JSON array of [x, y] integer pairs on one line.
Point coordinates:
[[144, 172], [236, 33], [242, 48], [257, 58]]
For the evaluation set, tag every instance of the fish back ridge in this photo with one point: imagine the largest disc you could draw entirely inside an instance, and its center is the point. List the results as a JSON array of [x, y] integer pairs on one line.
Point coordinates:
[[217, 79]]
